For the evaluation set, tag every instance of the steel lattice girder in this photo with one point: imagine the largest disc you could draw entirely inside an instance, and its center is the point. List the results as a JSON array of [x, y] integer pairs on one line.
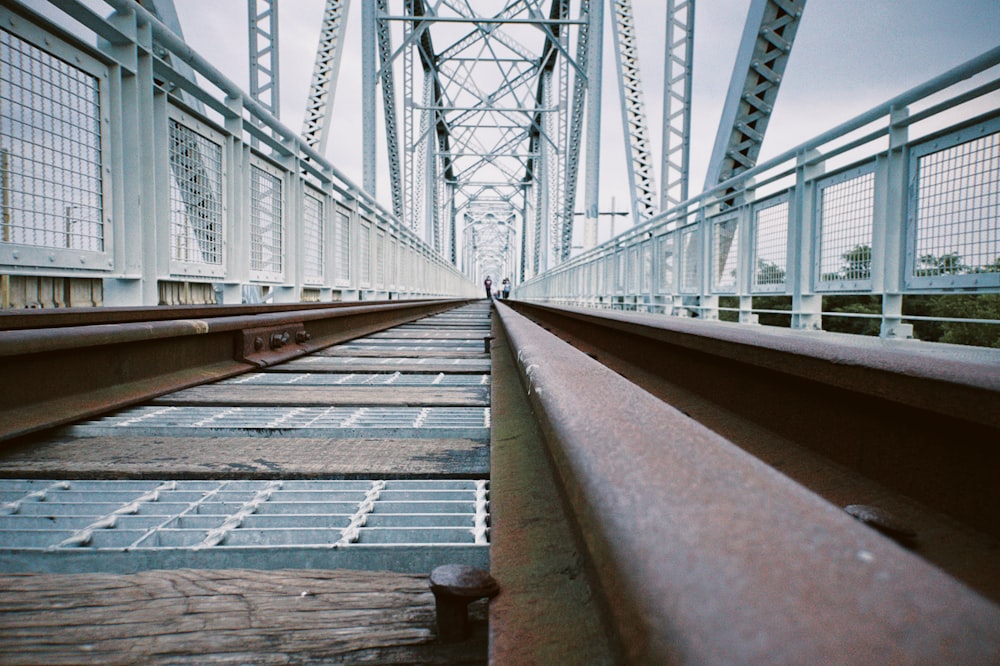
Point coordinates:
[[760, 63], [678, 63], [316, 125], [263, 42], [636, 129], [480, 115]]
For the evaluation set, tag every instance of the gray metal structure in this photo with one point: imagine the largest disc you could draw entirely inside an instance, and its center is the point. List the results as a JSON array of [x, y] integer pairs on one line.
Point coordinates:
[[264, 61], [636, 129], [760, 63], [486, 125], [678, 67], [319, 104]]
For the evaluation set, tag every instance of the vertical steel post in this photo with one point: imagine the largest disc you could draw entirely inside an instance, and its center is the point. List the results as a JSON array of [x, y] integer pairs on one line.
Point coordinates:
[[368, 66], [890, 230], [316, 124], [5, 174], [639, 160], [592, 170], [677, 75]]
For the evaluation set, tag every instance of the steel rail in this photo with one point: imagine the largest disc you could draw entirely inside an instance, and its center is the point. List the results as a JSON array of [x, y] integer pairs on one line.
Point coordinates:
[[704, 554], [81, 316], [919, 418], [52, 376]]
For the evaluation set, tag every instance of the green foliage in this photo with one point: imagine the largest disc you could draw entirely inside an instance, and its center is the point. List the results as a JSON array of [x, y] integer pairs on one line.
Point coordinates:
[[853, 304], [960, 306], [773, 303], [947, 264], [769, 273], [729, 302], [858, 263]]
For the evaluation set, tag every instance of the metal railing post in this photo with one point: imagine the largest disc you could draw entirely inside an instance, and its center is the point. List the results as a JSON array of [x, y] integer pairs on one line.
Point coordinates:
[[888, 263]]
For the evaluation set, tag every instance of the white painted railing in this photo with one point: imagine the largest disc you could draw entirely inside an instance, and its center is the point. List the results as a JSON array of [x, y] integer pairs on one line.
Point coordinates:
[[124, 183], [861, 226]]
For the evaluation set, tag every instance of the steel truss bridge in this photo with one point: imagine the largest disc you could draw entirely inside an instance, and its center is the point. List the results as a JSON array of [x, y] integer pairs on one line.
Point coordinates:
[[647, 484], [486, 125]]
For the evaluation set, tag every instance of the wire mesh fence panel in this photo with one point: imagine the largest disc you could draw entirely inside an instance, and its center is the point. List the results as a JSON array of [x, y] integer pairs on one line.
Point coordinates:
[[690, 260], [633, 270], [380, 271], [50, 150], [770, 247], [314, 237], [365, 254], [196, 176], [647, 266], [725, 253], [667, 265], [955, 206], [845, 212], [266, 230], [343, 249]]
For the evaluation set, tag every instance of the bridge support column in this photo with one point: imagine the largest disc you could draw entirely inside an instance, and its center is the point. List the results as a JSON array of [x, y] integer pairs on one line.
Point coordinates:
[[892, 318], [709, 308], [746, 310], [229, 293], [807, 307], [123, 292], [889, 230]]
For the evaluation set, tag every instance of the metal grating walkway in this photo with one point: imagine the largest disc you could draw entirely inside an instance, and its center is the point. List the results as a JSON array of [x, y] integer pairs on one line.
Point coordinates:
[[367, 393]]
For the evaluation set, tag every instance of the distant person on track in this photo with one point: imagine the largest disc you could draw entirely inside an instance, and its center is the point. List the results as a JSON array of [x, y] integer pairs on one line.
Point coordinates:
[[488, 283], [505, 289]]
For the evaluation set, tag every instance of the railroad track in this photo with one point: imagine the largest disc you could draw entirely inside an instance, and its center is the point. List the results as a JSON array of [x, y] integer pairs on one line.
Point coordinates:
[[636, 513]]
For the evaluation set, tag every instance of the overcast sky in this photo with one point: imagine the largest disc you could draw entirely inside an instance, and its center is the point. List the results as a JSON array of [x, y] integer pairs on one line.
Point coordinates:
[[849, 55]]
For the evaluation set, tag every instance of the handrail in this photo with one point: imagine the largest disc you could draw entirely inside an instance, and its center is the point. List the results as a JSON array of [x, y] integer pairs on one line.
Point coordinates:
[[955, 75]]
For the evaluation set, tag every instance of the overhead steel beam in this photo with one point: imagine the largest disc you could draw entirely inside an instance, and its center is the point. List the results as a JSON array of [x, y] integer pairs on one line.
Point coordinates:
[[678, 65], [369, 136], [263, 43], [760, 63], [316, 125], [640, 158], [384, 37], [594, 45]]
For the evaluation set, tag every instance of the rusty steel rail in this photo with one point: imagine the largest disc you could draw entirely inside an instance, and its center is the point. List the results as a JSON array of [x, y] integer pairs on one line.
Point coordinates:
[[920, 418], [52, 376], [701, 552], [12, 320]]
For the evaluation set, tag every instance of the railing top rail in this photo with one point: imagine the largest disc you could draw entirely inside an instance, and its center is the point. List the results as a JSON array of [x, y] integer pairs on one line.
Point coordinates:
[[962, 72], [295, 144]]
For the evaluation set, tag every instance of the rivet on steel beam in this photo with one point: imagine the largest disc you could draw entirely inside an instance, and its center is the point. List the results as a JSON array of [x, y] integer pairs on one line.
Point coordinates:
[[302, 336], [884, 522], [258, 343], [486, 343], [455, 586]]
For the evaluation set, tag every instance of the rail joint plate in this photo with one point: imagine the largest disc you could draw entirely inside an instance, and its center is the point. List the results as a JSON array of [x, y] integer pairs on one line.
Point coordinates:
[[268, 345]]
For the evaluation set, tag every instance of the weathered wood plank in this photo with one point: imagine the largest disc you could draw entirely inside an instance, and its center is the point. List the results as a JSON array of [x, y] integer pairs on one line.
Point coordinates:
[[381, 395], [245, 458], [227, 617]]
